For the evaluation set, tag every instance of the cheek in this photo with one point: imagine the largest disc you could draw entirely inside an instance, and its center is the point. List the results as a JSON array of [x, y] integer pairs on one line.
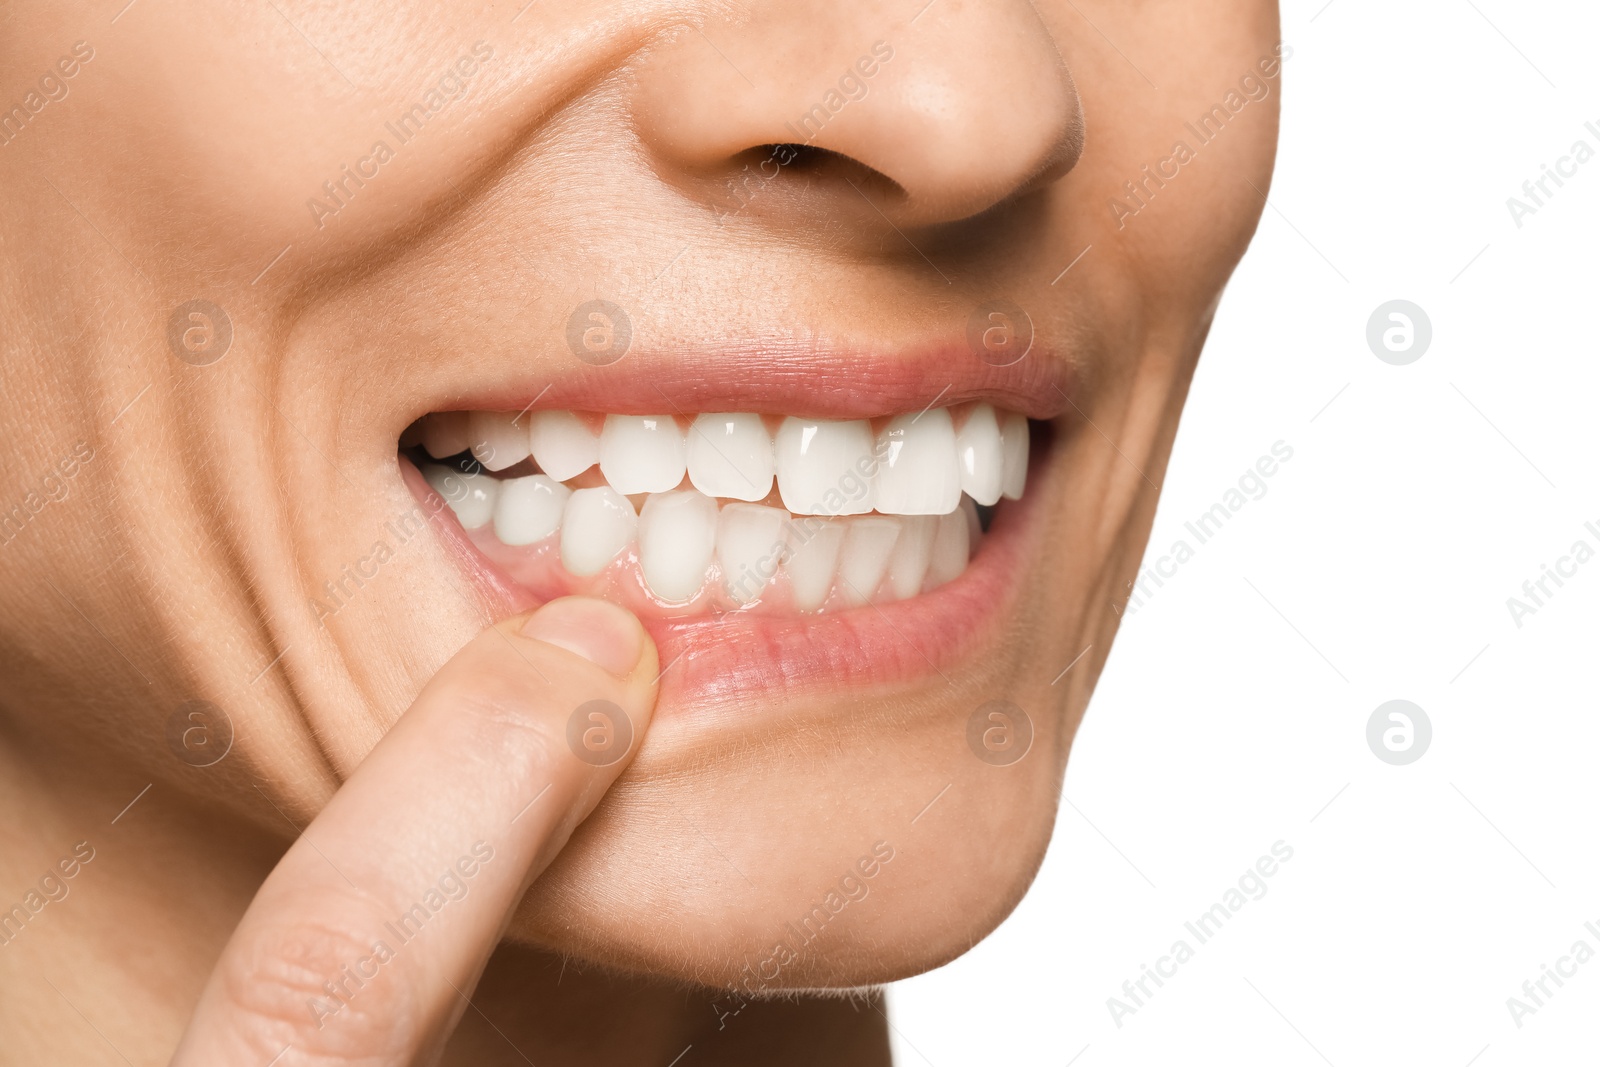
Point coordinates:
[[1184, 243]]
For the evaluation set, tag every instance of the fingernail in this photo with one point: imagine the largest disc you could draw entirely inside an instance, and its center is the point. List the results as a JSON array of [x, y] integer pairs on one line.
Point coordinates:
[[597, 630]]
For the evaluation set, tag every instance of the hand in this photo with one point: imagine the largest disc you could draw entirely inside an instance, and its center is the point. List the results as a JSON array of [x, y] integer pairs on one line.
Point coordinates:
[[363, 944]]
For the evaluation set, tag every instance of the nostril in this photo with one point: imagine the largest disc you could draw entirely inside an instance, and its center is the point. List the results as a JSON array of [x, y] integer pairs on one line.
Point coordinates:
[[820, 166]]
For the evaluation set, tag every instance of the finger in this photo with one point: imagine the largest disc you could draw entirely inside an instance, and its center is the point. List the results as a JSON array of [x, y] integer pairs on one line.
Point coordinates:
[[363, 943]]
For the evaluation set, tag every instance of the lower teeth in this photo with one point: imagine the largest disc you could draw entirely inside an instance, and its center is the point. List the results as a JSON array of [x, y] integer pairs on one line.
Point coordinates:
[[694, 553]]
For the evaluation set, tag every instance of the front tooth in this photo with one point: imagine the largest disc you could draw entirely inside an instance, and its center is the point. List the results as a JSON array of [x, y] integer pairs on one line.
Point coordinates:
[[497, 442], [918, 473], [529, 509], [677, 533], [596, 525], [912, 552], [750, 545], [950, 544], [821, 466], [1014, 445], [730, 455], [470, 496], [865, 558], [981, 456], [813, 559], [562, 445], [444, 433], [642, 453]]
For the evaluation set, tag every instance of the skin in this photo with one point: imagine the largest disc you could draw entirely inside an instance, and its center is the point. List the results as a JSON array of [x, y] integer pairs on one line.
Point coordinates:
[[590, 157]]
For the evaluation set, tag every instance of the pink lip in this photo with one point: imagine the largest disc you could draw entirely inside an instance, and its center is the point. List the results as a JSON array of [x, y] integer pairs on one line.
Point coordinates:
[[784, 379]]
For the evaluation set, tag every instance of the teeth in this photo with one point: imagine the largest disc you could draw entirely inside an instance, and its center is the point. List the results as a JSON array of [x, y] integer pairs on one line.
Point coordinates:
[[470, 496], [950, 543], [912, 553], [918, 474], [980, 455], [1014, 447], [865, 517], [822, 465], [865, 557], [596, 526], [750, 546], [642, 453], [444, 433], [497, 442], [563, 446], [529, 509], [730, 455], [677, 532], [813, 558]]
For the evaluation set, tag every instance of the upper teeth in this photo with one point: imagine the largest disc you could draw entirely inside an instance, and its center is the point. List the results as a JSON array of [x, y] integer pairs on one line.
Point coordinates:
[[914, 465]]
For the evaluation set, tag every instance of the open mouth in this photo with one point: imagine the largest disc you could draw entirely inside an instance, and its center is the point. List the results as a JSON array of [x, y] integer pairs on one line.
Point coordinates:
[[806, 518], [676, 516]]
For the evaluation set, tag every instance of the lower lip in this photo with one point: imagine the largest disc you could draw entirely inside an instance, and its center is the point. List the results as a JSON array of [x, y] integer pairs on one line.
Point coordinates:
[[722, 659]]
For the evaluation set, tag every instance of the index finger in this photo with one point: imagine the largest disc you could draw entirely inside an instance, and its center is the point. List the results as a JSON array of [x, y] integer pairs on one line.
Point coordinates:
[[363, 943]]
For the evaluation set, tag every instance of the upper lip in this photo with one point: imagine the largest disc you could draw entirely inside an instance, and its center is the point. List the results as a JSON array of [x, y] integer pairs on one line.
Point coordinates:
[[783, 379]]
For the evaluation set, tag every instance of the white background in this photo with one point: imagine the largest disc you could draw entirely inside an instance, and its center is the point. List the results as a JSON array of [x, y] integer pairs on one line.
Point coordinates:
[[1377, 566]]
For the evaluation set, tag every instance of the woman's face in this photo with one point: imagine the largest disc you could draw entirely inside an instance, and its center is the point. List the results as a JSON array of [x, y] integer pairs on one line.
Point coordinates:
[[252, 247]]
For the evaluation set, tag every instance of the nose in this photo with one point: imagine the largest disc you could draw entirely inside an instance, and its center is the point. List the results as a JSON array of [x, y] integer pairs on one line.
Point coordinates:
[[934, 118]]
